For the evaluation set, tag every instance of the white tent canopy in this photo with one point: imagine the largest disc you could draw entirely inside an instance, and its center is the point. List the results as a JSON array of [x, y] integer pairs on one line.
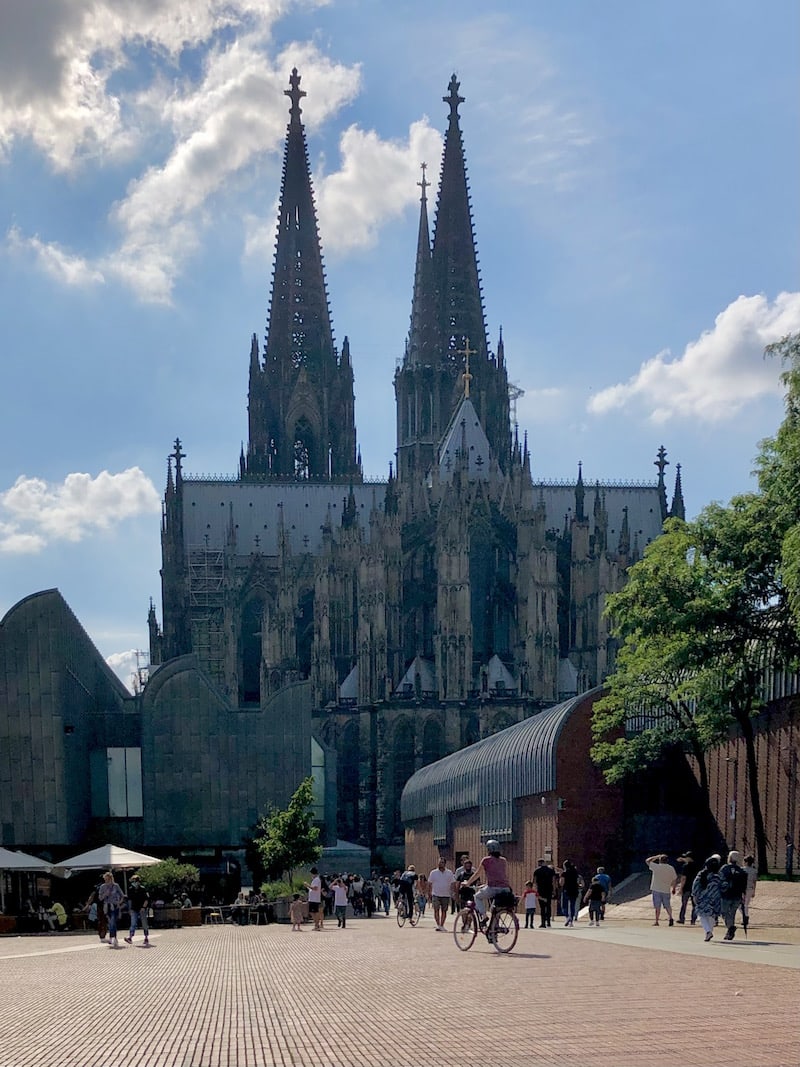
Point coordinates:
[[20, 863], [106, 857]]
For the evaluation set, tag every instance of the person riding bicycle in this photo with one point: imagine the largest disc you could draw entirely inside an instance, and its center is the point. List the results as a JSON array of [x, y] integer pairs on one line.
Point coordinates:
[[495, 874], [405, 887]]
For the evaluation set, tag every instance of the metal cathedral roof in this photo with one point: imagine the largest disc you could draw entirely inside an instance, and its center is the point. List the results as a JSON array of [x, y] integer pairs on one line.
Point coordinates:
[[517, 762]]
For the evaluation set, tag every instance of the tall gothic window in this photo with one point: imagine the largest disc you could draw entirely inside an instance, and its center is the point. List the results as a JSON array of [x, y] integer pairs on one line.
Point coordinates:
[[347, 783], [250, 652], [432, 742], [303, 448], [403, 767]]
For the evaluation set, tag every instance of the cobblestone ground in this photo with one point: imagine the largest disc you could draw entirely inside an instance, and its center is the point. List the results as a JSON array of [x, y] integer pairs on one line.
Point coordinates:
[[379, 996]]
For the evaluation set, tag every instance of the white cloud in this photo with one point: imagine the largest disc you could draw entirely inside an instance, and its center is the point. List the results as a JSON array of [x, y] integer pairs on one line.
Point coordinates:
[[126, 666], [538, 406], [39, 512], [56, 261], [376, 182], [236, 114], [57, 58], [718, 374]]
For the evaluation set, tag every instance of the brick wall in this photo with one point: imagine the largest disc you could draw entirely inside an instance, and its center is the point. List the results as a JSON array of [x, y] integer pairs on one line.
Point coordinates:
[[777, 730]]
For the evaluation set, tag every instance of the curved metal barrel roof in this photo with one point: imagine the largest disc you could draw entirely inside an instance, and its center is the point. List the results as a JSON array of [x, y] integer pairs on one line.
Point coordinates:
[[519, 761]]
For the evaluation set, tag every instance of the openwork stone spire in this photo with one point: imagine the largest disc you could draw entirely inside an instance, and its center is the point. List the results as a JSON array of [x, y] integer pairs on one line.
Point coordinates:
[[301, 406]]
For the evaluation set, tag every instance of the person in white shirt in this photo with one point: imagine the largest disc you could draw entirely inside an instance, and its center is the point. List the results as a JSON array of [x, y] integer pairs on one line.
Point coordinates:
[[441, 881], [314, 888], [340, 902], [663, 880]]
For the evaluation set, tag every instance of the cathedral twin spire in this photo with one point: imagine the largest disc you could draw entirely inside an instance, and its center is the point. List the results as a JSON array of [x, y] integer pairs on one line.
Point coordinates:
[[447, 322], [301, 409]]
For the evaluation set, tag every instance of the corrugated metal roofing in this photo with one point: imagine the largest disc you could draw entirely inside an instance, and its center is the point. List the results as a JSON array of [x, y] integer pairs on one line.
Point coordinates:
[[517, 762]]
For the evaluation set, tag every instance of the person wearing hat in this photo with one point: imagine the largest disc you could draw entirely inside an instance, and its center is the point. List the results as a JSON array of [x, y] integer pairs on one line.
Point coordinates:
[[138, 903], [732, 888], [686, 877]]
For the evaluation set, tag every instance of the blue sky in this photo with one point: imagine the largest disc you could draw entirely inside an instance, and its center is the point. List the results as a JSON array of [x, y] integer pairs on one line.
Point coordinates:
[[634, 174]]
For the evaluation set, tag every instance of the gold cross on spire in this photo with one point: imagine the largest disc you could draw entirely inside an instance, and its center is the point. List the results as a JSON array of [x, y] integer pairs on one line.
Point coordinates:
[[466, 352]]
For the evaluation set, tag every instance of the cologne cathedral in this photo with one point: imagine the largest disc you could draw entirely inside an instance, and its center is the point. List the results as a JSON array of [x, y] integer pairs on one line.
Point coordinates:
[[461, 594]]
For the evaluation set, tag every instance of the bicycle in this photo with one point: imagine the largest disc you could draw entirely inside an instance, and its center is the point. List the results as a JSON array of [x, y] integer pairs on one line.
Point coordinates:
[[499, 925], [401, 904]]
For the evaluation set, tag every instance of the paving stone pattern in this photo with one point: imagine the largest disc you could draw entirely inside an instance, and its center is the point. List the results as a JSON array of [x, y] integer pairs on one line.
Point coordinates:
[[374, 995]]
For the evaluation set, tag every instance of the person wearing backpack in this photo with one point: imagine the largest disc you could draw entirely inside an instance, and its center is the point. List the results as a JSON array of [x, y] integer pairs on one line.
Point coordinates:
[[732, 888]]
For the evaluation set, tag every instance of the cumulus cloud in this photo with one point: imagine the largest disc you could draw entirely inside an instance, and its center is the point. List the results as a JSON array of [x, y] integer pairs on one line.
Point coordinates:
[[126, 666], [67, 268], [375, 182], [717, 374], [194, 128], [58, 59], [39, 512]]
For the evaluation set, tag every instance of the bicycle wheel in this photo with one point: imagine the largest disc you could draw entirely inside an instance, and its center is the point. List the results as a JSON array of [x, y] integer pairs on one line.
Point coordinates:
[[465, 928], [401, 911], [504, 929], [415, 915]]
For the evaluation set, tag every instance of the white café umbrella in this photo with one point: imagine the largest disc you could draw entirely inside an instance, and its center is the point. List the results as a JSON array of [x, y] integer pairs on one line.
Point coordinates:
[[106, 858], [20, 863]]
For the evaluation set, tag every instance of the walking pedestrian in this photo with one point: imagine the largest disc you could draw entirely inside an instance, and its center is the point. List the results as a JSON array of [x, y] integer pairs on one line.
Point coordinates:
[[595, 897], [441, 881], [605, 882], [314, 888], [96, 913], [138, 903], [423, 893], [750, 892], [705, 892], [112, 898], [663, 880], [732, 888], [296, 913], [686, 877], [340, 902], [570, 892], [529, 903], [544, 881]]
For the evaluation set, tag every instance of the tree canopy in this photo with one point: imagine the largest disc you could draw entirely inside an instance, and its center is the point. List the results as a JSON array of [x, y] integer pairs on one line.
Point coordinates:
[[287, 839], [167, 879], [710, 605]]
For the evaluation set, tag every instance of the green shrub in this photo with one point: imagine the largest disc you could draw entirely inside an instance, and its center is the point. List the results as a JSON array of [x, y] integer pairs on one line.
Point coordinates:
[[273, 890]]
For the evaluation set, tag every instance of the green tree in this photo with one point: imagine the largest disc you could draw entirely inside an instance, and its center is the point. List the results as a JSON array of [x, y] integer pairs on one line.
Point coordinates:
[[654, 701], [169, 878], [702, 615], [778, 469], [287, 838]]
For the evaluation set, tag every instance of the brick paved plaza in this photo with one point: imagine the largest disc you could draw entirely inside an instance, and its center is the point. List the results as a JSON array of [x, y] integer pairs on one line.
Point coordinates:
[[373, 994]]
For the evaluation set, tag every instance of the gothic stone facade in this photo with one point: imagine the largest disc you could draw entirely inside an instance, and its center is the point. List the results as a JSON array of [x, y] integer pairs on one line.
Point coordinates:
[[460, 595]]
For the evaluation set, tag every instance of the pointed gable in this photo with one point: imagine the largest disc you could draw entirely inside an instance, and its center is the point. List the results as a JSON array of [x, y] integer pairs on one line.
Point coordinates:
[[465, 446]]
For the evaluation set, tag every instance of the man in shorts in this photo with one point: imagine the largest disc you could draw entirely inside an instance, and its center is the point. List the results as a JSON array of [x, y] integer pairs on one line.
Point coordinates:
[[441, 881], [663, 879], [314, 888]]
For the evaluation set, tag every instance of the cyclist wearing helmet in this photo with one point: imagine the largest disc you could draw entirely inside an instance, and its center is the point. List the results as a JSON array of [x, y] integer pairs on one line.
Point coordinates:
[[495, 874]]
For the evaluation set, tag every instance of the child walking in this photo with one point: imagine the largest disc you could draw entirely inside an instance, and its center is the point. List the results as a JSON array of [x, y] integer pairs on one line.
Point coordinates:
[[296, 913], [595, 897], [529, 903]]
